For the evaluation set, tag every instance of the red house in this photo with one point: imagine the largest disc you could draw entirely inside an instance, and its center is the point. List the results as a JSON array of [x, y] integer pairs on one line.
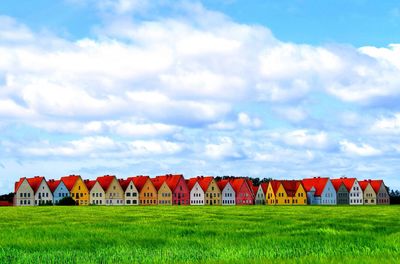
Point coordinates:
[[244, 193], [179, 188]]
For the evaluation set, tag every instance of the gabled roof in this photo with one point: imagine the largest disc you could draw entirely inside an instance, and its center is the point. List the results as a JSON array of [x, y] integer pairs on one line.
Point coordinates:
[[348, 182], [318, 183], [18, 184], [158, 182], [204, 182], [237, 184], [105, 181], [376, 185], [53, 184], [172, 180], [364, 184], [250, 184], [275, 185], [191, 183], [35, 182], [291, 187], [70, 181], [140, 181], [255, 189], [264, 187], [222, 184], [337, 183], [90, 184]]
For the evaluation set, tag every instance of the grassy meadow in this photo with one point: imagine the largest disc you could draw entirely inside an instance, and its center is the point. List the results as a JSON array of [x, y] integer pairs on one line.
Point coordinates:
[[247, 234]]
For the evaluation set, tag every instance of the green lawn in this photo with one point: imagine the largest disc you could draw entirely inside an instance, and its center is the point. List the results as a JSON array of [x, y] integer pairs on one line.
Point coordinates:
[[249, 234]]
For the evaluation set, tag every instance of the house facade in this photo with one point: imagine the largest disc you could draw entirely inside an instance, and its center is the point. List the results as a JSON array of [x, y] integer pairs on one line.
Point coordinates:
[[197, 195], [369, 194], [260, 194], [213, 195], [179, 188], [272, 189], [43, 194], [59, 190], [342, 194], [24, 194], [382, 195], [296, 194], [320, 191], [147, 192], [355, 191], [114, 194], [228, 194], [164, 193], [131, 193], [243, 192], [96, 192], [77, 188]]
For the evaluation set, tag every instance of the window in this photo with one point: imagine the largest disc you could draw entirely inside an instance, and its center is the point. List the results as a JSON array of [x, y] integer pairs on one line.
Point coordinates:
[[134, 194]]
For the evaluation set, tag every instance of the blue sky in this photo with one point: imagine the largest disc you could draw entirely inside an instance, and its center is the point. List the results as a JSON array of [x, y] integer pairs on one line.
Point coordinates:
[[281, 89]]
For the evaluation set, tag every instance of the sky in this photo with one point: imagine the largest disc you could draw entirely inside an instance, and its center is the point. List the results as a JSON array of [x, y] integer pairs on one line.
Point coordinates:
[[277, 89]]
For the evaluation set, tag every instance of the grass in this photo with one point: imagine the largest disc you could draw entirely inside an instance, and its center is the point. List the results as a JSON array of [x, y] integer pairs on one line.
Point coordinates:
[[248, 234]]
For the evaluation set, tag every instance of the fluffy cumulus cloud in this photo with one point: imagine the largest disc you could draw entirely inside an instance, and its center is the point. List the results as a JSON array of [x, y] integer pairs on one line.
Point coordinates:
[[194, 88]]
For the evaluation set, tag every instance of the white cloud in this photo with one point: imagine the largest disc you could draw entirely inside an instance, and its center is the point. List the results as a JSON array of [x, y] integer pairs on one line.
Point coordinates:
[[224, 149], [305, 139], [246, 121], [389, 125], [363, 150]]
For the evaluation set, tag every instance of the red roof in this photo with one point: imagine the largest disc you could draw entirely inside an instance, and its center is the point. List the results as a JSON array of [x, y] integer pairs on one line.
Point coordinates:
[[376, 185], [204, 182], [237, 183], [53, 184], [222, 183], [18, 183], [250, 184], [337, 183], [191, 182], [348, 182], [139, 182], [363, 184], [90, 184], [317, 182], [264, 186], [275, 185], [70, 181], [158, 181], [291, 187], [35, 182], [255, 189], [105, 181]]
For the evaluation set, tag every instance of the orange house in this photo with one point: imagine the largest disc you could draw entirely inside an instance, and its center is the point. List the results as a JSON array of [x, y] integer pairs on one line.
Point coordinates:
[[147, 191]]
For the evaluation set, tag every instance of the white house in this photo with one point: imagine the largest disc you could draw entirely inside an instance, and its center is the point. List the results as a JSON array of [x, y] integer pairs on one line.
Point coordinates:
[[131, 193], [197, 196], [228, 194], [96, 193], [355, 191], [24, 194], [43, 194], [260, 193]]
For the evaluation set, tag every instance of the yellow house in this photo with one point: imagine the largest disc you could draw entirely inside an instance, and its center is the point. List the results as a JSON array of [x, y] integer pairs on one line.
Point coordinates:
[[147, 191], [271, 194], [295, 192], [77, 188], [164, 193], [213, 195], [369, 194]]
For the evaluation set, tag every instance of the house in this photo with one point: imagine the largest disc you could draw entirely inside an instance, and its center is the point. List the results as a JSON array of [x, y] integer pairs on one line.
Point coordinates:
[[164, 193], [131, 193], [197, 195], [179, 188], [113, 190], [24, 194], [43, 194], [382, 195], [228, 194], [296, 194], [320, 191], [147, 191], [59, 190], [251, 186], [244, 193], [369, 195], [260, 193], [276, 191], [342, 194], [77, 187], [354, 189], [272, 189], [211, 190], [96, 192]]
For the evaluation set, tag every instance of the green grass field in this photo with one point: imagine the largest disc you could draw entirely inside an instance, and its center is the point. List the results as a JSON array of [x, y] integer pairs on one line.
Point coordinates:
[[250, 234]]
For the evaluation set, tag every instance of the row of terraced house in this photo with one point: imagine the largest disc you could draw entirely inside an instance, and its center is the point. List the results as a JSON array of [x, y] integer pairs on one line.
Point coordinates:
[[176, 190]]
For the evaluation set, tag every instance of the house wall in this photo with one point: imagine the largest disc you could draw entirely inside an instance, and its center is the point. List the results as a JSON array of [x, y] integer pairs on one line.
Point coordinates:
[[24, 196], [164, 195], [270, 195], [115, 193], [383, 196], [97, 195], [311, 199], [300, 197], [213, 194], [260, 197], [181, 194], [342, 196], [131, 195], [148, 194], [244, 196], [281, 197], [80, 193], [369, 195], [228, 195], [60, 192], [43, 194], [197, 195], [356, 194], [328, 195]]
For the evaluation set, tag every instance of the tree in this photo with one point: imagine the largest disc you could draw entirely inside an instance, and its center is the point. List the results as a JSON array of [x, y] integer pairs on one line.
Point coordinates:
[[67, 201], [7, 197]]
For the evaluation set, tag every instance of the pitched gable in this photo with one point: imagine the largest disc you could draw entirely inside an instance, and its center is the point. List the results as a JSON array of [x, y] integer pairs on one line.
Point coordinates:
[[105, 181], [69, 181], [204, 182], [53, 184], [35, 182], [18, 184], [140, 181], [318, 183]]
